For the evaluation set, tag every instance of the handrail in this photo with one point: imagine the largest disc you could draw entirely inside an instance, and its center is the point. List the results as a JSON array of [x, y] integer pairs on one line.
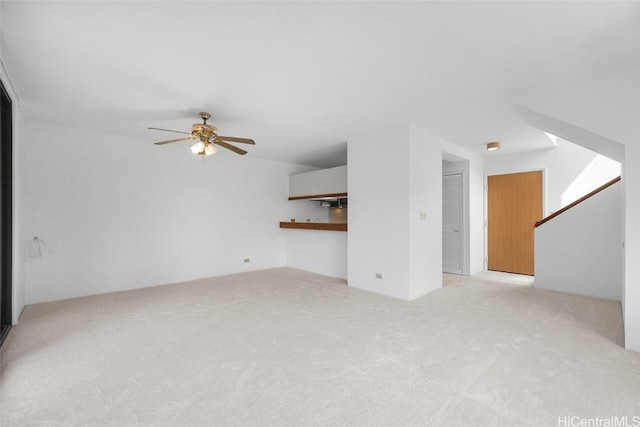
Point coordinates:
[[580, 200]]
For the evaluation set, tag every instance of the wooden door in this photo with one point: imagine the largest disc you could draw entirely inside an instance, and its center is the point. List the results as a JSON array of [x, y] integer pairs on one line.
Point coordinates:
[[514, 205], [452, 231]]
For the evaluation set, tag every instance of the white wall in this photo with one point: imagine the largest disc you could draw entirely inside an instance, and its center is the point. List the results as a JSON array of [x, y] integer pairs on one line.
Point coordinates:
[[476, 212], [121, 213], [599, 171], [631, 302], [605, 108], [388, 190], [318, 251], [378, 212], [425, 195], [562, 165], [580, 250], [592, 141]]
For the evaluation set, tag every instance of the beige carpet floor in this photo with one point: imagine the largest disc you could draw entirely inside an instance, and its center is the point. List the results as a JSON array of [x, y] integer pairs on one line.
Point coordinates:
[[286, 347]]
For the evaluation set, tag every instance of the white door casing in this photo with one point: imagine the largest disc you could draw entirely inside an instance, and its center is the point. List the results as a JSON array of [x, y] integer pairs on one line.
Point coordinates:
[[452, 224]]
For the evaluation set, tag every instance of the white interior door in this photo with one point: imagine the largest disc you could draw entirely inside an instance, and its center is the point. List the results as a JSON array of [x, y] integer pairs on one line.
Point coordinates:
[[452, 233]]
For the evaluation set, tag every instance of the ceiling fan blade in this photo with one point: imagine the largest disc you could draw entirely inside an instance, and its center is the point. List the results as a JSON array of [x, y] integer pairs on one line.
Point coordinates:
[[229, 147], [169, 130], [241, 140], [172, 140]]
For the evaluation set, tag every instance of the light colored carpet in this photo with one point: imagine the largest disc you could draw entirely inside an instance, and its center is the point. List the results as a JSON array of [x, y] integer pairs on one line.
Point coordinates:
[[502, 277], [286, 347]]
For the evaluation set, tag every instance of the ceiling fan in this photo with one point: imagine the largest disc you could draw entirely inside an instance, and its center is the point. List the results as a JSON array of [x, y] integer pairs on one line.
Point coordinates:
[[207, 137]]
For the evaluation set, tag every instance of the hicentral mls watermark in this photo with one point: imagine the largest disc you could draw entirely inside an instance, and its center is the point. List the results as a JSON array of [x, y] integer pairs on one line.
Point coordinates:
[[614, 421]]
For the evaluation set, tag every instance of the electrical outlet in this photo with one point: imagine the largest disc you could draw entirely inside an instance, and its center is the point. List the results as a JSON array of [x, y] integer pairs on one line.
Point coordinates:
[[247, 260], [378, 275]]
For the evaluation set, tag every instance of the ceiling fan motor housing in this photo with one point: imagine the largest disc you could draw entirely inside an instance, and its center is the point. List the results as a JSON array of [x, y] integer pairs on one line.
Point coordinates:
[[203, 132]]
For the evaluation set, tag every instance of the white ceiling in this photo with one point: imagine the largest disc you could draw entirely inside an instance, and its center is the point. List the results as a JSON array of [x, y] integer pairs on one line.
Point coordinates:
[[303, 77]]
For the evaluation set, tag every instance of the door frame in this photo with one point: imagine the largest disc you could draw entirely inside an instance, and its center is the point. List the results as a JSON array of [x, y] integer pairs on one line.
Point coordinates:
[[463, 220], [6, 209], [485, 260], [461, 165]]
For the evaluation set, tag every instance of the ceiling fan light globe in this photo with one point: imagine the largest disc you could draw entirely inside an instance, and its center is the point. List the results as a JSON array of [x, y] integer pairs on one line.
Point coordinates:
[[197, 148], [209, 149]]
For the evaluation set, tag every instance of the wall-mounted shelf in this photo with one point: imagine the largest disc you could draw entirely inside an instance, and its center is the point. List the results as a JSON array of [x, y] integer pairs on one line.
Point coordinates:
[[320, 196], [314, 226]]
